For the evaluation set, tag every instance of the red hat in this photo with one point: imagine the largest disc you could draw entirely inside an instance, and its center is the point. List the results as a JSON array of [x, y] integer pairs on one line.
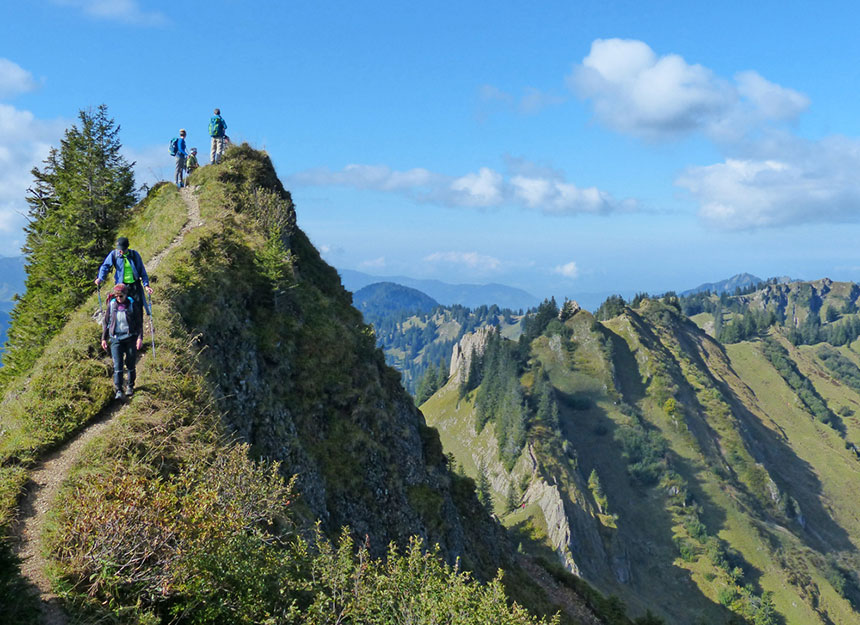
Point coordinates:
[[120, 288]]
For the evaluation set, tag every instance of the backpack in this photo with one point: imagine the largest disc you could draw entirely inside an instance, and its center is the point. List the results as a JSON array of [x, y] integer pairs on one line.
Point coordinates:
[[174, 146], [216, 126]]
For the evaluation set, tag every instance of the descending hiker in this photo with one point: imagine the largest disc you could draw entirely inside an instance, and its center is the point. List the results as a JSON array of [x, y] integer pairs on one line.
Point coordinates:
[[129, 270], [191, 164], [181, 156], [217, 130], [120, 326]]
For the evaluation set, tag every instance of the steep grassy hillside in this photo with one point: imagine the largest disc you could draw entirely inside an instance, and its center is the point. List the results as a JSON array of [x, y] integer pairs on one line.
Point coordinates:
[[680, 475], [184, 510]]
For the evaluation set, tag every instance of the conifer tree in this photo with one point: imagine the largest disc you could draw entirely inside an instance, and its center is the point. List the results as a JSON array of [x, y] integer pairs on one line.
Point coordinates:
[[483, 487], [79, 198]]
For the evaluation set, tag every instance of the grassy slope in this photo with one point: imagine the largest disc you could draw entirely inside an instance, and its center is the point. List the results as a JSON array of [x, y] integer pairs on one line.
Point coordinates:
[[811, 460], [738, 409], [71, 382], [176, 409]]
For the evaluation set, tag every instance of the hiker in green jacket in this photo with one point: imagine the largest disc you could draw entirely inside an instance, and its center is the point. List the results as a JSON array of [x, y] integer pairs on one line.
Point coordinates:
[[191, 163]]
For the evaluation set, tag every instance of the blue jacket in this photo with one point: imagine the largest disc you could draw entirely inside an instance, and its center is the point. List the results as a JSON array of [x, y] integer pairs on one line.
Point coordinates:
[[180, 147], [116, 261]]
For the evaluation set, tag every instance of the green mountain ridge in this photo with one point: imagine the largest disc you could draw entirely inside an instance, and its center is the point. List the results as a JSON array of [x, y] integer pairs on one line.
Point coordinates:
[[683, 474], [183, 510]]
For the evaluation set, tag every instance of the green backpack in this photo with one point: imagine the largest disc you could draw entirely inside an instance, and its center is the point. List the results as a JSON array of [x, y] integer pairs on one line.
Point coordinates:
[[216, 126]]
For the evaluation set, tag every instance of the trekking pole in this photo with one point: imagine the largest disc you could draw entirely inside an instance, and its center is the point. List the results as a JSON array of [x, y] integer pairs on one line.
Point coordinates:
[[101, 312], [152, 326]]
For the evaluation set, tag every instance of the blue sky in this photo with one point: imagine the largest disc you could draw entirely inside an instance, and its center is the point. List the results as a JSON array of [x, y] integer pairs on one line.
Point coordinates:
[[561, 147]]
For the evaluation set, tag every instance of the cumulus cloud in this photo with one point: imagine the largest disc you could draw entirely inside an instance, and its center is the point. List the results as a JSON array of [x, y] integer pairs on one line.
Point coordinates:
[[568, 270], [481, 189], [126, 11], [789, 181], [14, 79], [24, 143], [473, 260], [635, 91], [524, 184]]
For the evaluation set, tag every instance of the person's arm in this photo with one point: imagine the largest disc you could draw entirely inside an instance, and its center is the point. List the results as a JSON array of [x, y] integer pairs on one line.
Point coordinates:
[[182, 147], [104, 268], [141, 270]]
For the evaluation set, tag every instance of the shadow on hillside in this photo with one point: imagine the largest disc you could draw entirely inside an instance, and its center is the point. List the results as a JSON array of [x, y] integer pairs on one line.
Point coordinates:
[[644, 537], [630, 384], [792, 474]]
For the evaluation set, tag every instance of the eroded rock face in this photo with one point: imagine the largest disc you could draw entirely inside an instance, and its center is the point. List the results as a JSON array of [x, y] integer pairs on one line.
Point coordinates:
[[461, 355]]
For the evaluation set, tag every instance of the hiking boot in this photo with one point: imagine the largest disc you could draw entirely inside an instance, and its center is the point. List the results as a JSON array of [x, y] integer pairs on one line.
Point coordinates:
[[119, 394], [129, 391]]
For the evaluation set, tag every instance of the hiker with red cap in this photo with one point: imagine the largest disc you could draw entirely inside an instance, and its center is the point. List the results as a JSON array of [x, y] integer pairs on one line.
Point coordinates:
[[121, 328]]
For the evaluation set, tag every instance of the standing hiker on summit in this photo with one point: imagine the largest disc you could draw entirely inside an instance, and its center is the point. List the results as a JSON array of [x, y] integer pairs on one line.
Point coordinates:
[[120, 326], [217, 130], [129, 270], [181, 155]]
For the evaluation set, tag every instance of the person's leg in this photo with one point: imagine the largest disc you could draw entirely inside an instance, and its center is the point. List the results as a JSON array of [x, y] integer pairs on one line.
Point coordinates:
[[214, 150], [135, 291], [130, 351], [116, 353]]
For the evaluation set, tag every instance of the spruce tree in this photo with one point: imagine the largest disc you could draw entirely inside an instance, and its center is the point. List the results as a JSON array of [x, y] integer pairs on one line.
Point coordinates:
[[483, 487], [78, 200]]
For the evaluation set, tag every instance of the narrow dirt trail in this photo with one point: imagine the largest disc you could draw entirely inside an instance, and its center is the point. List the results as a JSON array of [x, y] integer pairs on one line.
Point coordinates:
[[48, 476]]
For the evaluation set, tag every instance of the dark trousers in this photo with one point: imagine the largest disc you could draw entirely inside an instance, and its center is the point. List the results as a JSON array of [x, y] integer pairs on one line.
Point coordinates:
[[135, 291], [124, 350]]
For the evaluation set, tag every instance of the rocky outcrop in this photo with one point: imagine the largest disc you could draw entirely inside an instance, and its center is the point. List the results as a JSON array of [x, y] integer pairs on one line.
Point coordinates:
[[568, 309], [461, 355]]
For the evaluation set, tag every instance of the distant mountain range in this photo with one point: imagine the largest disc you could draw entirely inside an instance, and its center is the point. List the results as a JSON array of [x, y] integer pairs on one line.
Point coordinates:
[[12, 277], [730, 285], [470, 295]]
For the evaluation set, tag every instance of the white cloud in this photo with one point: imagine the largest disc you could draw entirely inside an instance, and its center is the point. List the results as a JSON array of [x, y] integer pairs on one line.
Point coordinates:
[[525, 185], [789, 181], [773, 101], [24, 143], [481, 189], [635, 91], [152, 164], [473, 260], [568, 270], [126, 11], [375, 263], [14, 79]]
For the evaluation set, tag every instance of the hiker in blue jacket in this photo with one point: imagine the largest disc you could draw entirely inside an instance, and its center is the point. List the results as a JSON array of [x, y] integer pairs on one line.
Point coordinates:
[[217, 130], [120, 326], [129, 270], [181, 155]]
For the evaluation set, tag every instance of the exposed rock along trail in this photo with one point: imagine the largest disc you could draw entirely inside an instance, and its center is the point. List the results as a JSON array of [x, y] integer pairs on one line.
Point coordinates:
[[49, 474]]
